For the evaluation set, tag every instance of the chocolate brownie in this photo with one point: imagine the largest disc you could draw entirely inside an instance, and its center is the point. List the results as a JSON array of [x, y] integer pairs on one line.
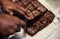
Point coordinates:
[[41, 8], [36, 13], [42, 16], [30, 7], [35, 3]]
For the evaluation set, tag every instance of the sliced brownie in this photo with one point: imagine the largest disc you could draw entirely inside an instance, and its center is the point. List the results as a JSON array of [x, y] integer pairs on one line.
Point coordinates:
[[42, 16]]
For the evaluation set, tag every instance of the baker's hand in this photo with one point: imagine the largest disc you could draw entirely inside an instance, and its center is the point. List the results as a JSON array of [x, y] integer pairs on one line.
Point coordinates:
[[10, 24], [9, 6]]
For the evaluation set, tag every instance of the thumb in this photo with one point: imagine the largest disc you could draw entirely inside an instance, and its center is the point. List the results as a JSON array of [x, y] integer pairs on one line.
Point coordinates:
[[22, 23]]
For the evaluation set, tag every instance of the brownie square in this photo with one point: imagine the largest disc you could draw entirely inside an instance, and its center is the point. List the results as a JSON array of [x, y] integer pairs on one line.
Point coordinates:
[[29, 13], [25, 2], [35, 28], [38, 24], [41, 8], [44, 20], [35, 3], [49, 15], [30, 7], [36, 13]]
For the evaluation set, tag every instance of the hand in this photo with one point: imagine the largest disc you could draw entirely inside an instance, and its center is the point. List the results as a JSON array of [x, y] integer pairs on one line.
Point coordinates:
[[9, 6], [10, 24]]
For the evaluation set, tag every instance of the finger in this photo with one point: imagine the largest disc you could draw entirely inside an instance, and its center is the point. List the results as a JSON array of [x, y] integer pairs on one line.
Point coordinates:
[[25, 13], [16, 27], [30, 15], [10, 12], [20, 11], [19, 22], [20, 7], [22, 23], [19, 28], [7, 11], [15, 1], [10, 30]]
